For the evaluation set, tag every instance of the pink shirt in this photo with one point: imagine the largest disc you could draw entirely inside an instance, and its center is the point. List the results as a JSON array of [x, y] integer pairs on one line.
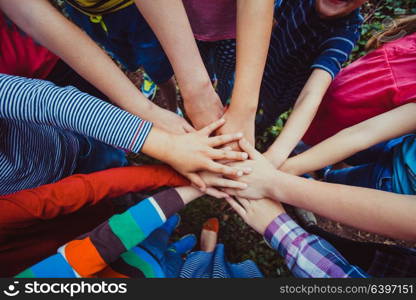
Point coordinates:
[[212, 20], [20, 55], [377, 83]]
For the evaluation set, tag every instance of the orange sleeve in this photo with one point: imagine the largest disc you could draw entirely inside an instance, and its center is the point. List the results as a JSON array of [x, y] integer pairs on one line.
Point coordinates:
[[74, 192]]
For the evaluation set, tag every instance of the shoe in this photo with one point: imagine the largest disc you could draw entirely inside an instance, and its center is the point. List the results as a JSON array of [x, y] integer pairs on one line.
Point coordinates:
[[305, 218], [212, 225], [184, 245], [149, 88]]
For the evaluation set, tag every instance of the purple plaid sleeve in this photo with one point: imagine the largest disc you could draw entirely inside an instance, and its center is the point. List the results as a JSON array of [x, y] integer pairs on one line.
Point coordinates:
[[307, 255]]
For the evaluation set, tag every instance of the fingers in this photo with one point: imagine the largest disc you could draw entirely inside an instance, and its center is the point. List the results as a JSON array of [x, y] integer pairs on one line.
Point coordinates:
[[237, 207], [220, 140], [216, 193], [231, 192], [244, 203], [212, 127], [188, 128], [197, 181], [218, 154], [225, 170], [226, 183], [252, 152]]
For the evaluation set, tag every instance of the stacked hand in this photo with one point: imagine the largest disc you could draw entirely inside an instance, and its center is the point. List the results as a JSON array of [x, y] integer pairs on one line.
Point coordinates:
[[253, 190], [197, 151]]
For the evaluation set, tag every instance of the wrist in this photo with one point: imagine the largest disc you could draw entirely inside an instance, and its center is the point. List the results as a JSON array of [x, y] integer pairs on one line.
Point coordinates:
[[273, 188], [196, 89], [188, 194], [245, 103], [241, 113], [275, 158], [159, 144], [289, 167]]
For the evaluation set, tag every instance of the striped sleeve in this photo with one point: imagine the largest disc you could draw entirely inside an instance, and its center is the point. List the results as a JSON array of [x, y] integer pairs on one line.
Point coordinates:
[[336, 49], [41, 102], [307, 255], [95, 251]]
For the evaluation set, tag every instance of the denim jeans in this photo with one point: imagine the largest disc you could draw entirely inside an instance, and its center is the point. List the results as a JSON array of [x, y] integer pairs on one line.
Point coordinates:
[[372, 168], [96, 156]]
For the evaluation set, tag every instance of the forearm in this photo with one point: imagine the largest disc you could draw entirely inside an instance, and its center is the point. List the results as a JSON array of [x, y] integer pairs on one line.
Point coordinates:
[[71, 44], [188, 194], [366, 209], [302, 116], [97, 249], [331, 151], [41, 102], [77, 191], [170, 23], [254, 25], [304, 252], [294, 129], [354, 139]]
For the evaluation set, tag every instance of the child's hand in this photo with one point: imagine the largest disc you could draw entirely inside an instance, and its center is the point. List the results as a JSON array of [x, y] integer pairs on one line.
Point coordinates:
[[169, 121], [238, 123], [203, 107], [215, 182], [257, 214], [196, 151], [260, 178]]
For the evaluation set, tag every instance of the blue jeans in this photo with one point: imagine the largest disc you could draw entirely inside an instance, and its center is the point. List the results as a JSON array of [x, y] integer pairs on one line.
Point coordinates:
[[372, 168], [96, 156]]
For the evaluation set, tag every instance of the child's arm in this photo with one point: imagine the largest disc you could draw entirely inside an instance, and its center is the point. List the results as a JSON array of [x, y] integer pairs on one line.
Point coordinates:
[[347, 142], [170, 23], [303, 252], [301, 117], [380, 212], [254, 26], [41, 102], [94, 251], [40, 20], [334, 51], [72, 193]]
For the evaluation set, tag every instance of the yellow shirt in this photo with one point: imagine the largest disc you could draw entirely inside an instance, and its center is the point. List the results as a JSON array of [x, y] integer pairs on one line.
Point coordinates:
[[99, 7]]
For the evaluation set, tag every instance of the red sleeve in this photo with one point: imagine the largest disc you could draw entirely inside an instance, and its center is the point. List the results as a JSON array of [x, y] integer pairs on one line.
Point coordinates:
[[72, 193]]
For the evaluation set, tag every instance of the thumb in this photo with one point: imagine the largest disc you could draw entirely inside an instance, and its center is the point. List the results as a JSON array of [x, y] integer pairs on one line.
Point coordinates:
[[197, 181], [250, 150]]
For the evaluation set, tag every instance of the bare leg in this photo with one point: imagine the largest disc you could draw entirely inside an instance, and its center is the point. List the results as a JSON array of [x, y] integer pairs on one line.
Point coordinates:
[[209, 235]]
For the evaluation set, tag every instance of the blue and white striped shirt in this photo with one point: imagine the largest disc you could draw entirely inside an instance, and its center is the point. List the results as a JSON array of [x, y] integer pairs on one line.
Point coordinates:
[[302, 41], [37, 125]]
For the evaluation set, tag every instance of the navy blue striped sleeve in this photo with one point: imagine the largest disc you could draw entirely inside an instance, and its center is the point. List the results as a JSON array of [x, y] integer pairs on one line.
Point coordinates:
[[336, 49], [41, 102]]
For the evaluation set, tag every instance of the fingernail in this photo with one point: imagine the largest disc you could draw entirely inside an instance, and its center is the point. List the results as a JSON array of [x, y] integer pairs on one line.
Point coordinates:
[[244, 155], [240, 173], [248, 170], [239, 135], [244, 186]]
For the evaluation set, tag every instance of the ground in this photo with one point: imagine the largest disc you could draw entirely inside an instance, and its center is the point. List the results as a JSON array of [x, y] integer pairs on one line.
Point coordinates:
[[242, 242]]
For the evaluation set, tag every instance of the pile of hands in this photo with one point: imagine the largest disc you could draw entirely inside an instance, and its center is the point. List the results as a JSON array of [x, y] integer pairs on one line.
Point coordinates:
[[227, 166]]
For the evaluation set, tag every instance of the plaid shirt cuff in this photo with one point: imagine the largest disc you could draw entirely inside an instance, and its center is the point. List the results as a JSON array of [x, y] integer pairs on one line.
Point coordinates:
[[282, 232]]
